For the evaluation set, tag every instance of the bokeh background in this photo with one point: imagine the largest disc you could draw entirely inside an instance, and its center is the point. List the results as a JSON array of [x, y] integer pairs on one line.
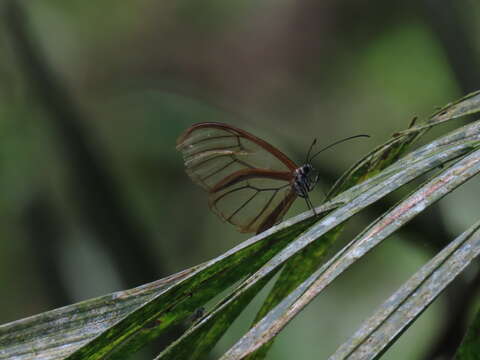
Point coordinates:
[[94, 94]]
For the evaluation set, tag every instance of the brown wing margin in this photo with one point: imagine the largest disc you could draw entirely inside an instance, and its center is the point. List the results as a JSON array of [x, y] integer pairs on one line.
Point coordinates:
[[271, 149]]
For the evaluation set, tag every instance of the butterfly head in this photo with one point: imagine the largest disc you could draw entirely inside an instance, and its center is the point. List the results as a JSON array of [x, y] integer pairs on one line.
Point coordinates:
[[304, 180], [306, 177]]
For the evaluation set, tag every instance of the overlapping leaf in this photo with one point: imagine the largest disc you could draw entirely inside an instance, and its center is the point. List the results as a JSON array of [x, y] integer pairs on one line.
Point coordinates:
[[429, 193], [94, 328], [306, 262], [355, 199], [127, 320], [403, 307]]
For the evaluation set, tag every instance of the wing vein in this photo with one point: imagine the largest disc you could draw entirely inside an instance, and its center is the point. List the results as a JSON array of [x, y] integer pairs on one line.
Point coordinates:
[[245, 176], [245, 163], [212, 138], [270, 189], [210, 150], [230, 192], [218, 170], [264, 208], [207, 160], [242, 206]]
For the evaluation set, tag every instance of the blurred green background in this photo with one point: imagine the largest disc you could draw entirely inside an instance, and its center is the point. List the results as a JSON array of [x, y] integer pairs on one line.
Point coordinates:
[[94, 94]]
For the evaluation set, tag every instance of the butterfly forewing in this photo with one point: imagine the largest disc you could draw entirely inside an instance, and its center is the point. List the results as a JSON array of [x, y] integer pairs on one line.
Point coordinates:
[[249, 181]]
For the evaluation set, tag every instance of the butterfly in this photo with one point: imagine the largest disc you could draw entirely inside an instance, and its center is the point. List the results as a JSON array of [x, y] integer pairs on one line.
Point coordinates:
[[251, 184]]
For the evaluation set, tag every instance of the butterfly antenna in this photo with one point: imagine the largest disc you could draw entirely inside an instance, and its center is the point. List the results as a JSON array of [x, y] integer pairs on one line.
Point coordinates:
[[338, 142], [310, 150]]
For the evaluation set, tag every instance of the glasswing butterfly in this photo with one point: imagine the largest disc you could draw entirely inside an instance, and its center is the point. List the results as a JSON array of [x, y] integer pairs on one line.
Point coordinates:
[[251, 184]]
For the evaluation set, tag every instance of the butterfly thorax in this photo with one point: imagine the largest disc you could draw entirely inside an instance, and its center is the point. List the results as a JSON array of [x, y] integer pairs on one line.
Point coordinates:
[[304, 180]]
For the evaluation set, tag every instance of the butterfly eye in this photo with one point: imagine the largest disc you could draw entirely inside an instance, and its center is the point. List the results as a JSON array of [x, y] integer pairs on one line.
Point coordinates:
[[248, 180]]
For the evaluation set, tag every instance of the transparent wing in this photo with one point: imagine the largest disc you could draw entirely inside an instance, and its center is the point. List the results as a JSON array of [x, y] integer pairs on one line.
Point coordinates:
[[253, 205], [249, 180], [212, 151]]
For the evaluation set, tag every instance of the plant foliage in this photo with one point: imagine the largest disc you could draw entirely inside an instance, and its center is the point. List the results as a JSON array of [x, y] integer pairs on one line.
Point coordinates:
[[120, 323]]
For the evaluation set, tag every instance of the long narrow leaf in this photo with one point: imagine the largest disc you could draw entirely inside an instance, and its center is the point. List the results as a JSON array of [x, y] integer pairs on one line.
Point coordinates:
[[277, 319], [419, 162], [468, 105], [94, 327], [303, 264], [57, 333], [181, 300], [378, 332], [128, 319]]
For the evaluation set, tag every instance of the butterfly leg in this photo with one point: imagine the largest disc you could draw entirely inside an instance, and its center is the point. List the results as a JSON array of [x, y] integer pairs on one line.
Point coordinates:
[[314, 183], [309, 205]]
